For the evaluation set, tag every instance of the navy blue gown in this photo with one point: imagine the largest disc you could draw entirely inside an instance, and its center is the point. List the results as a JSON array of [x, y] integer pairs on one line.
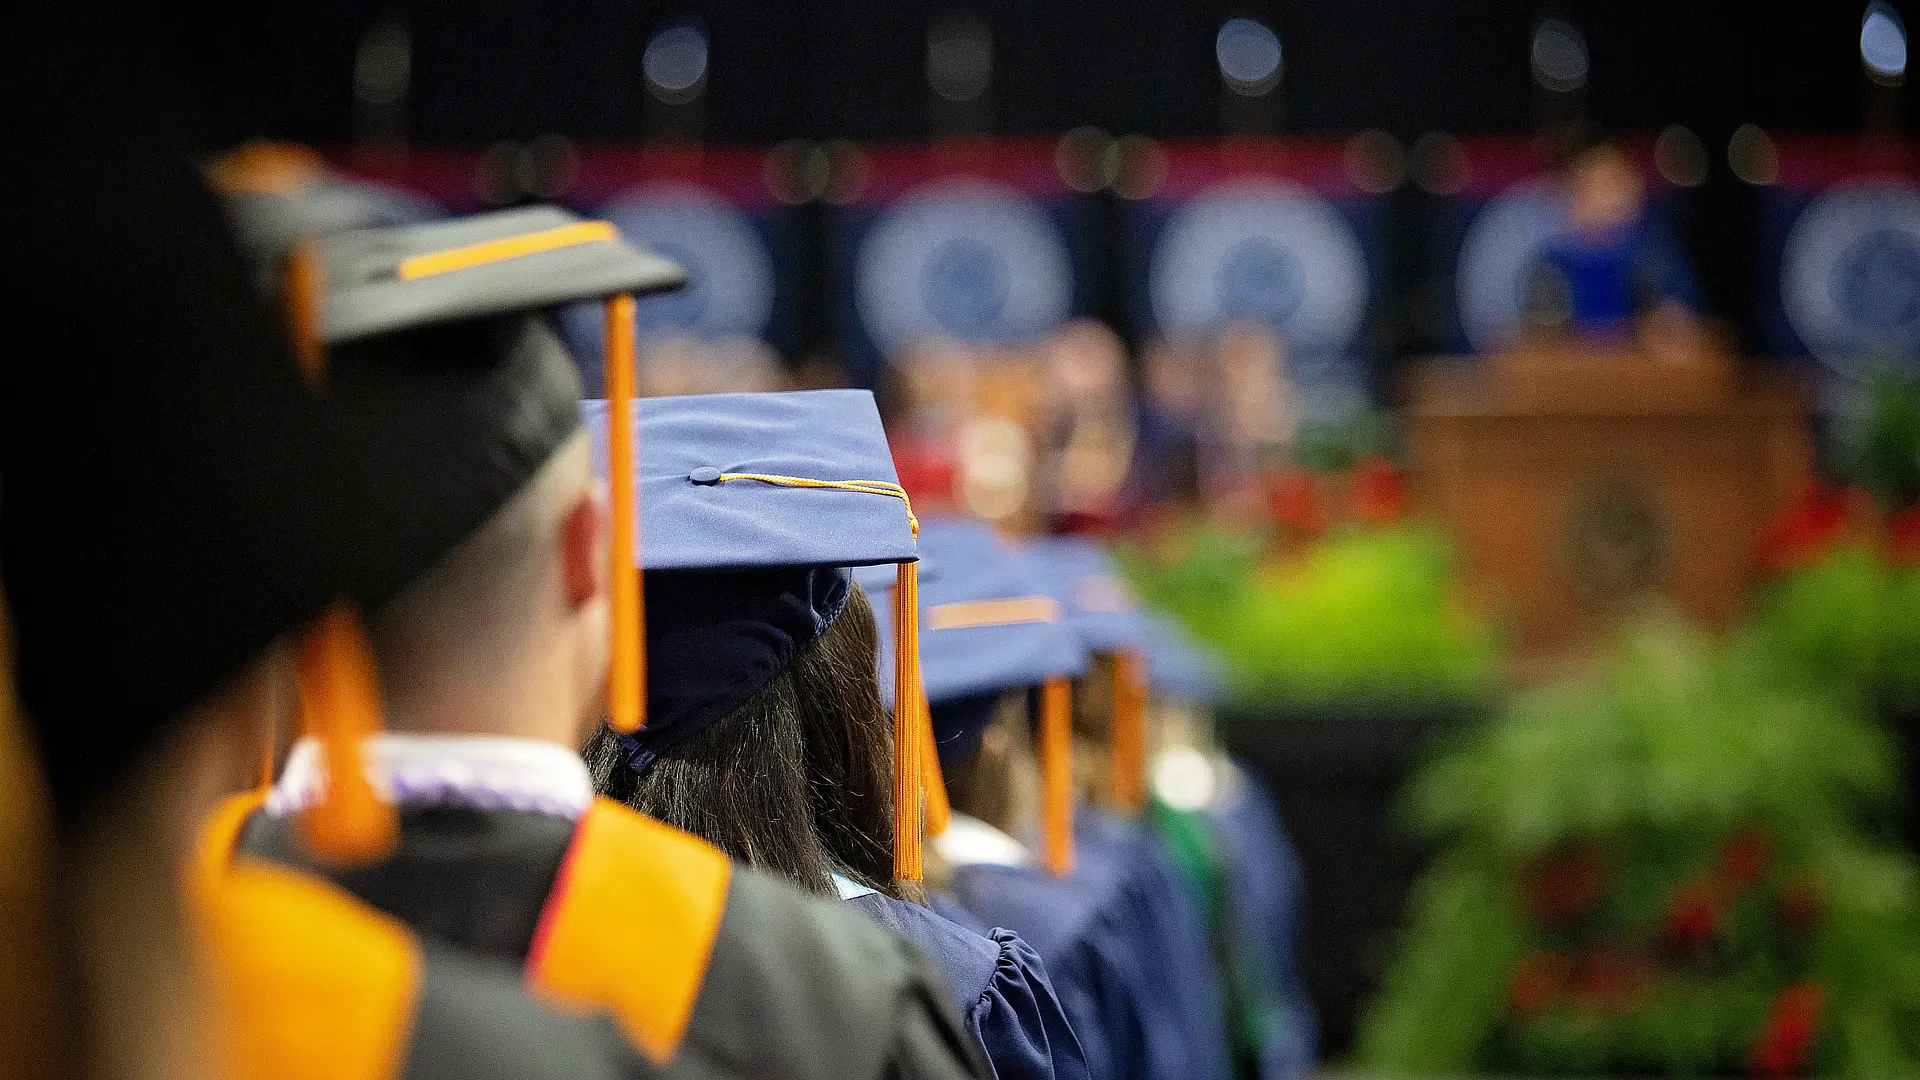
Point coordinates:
[[1005, 995], [1171, 939], [1263, 888]]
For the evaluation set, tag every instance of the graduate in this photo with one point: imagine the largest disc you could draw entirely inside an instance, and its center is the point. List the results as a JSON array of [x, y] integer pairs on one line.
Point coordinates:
[[1113, 841], [170, 522], [494, 619], [1226, 838], [765, 731]]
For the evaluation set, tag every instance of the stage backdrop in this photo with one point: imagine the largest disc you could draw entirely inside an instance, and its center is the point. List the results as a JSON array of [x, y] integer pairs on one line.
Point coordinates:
[[979, 242], [1838, 283], [1271, 232]]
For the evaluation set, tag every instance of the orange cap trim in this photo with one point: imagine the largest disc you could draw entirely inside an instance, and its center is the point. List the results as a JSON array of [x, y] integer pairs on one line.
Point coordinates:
[[487, 252]]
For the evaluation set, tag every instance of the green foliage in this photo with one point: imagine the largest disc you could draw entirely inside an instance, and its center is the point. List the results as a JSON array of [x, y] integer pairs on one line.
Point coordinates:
[[1642, 865], [1367, 613], [1850, 621], [1881, 449], [1331, 447]]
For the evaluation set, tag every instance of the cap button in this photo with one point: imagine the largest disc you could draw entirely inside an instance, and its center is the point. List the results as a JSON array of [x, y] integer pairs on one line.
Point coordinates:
[[706, 474]]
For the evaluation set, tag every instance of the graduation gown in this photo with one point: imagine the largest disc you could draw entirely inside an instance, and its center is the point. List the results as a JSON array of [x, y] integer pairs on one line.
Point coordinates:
[[1086, 933], [1262, 888], [1172, 940], [1005, 996], [707, 968]]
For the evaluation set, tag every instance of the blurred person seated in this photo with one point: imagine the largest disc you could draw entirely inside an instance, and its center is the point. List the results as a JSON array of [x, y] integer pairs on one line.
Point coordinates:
[[1615, 266], [491, 625], [766, 734], [1089, 426], [1173, 400], [1251, 421]]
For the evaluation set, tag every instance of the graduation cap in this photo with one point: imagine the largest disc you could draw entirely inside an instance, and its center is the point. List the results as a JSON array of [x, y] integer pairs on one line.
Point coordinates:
[[432, 341], [753, 509], [987, 627], [1101, 608], [1177, 665]]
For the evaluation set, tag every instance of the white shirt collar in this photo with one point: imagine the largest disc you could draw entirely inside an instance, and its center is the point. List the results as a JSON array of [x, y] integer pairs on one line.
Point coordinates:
[[969, 841], [472, 771]]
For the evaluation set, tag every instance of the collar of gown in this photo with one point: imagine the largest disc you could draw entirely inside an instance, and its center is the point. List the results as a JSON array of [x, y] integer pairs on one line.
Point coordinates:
[[969, 841], [465, 771]]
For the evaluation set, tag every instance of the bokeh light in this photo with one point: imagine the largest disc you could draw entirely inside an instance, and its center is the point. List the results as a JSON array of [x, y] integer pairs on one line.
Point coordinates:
[[1248, 52], [1883, 44], [1559, 55], [1680, 156], [1752, 157], [675, 62]]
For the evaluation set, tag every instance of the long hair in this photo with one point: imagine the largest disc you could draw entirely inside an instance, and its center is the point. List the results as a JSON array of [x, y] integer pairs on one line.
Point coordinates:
[[797, 781]]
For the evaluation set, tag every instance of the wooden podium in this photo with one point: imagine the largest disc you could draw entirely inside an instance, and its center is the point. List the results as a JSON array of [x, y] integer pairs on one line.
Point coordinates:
[[1578, 481]]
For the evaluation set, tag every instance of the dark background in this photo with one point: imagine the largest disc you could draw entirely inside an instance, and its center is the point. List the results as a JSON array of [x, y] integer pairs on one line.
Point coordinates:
[[509, 69]]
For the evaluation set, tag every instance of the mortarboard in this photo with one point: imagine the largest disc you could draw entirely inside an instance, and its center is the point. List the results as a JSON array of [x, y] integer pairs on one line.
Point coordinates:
[[753, 508], [453, 388], [1179, 666], [1100, 607], [986, 627]]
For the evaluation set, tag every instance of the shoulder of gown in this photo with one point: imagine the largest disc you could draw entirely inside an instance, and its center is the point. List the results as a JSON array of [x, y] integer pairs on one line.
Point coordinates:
[[1005, 996]]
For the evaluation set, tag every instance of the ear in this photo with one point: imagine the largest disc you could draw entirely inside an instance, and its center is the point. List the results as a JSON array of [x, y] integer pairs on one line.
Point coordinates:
[[583, 550]]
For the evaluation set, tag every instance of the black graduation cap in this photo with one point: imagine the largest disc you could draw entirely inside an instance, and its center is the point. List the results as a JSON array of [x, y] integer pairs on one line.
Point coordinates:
[[433, 342]]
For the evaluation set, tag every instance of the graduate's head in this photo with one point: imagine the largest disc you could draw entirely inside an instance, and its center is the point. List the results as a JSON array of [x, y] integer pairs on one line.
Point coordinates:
[[762, 703], [491, 599], [992, 642], [797, 778]]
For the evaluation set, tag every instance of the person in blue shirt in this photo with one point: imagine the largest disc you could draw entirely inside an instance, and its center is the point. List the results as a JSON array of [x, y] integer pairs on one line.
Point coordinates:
[[1615, 263], [765, 733]]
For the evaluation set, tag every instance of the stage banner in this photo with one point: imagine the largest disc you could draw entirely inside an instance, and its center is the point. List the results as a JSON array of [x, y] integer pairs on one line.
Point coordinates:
[[1495, 211], [1270, 232], [1838, 267], [978, 242]]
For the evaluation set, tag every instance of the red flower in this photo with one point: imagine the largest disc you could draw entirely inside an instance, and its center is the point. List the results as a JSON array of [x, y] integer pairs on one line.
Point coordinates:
[[1786, 1039], [1903, 536], [1296, 503], [1538, 982], [1565, 886], [1800, 533], [1610, 979], [1379, 491], [1693, 915], [1745, 856]]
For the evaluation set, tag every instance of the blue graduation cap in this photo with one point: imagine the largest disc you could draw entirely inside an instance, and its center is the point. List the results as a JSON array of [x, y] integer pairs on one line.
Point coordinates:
[[1179, 666], [752, 508], [987, 627], [433, 340], [1101, 608]]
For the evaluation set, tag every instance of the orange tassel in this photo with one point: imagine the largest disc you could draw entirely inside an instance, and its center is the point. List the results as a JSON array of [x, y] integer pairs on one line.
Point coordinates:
[[627, 671], [340, 708], [304, 286], [939, 809], [1056, 775], [910, 741], [1129, 734]]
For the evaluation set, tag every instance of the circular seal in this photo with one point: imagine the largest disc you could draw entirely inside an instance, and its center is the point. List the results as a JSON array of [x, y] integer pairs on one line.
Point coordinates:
[[962, 259], [1614, 540], [730, 273], [1497, 256], [1850, 277], [1263, 251]]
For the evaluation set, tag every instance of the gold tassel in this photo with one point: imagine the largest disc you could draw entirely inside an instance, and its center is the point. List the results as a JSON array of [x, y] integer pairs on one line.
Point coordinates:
[[627, 670], [1129, 733], [909, 739], [1056, 775], [939, 809], [340, 709]]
